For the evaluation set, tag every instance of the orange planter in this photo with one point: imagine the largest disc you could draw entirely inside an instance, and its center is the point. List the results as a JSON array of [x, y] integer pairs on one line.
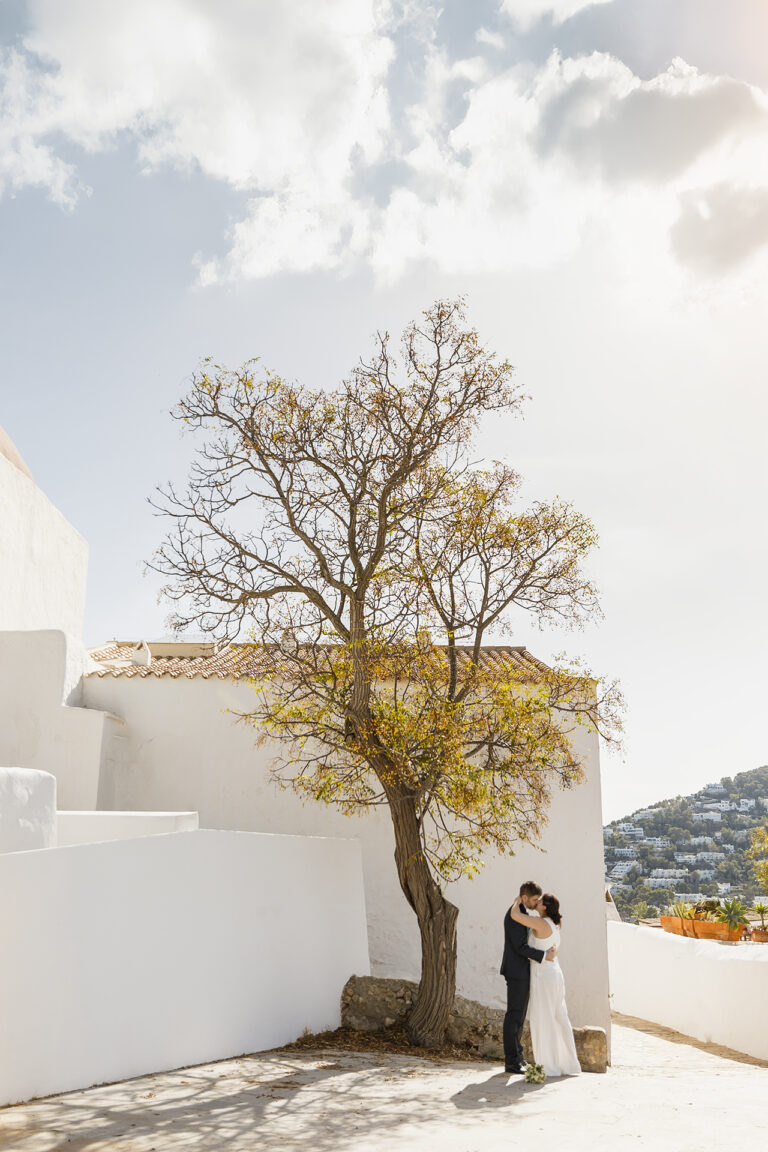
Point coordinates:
[[714, 930], [760, 934], [702, 929], [672, 924]]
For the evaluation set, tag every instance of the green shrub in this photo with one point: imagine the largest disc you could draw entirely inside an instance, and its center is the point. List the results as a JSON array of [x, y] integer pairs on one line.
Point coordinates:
[[733, 913]]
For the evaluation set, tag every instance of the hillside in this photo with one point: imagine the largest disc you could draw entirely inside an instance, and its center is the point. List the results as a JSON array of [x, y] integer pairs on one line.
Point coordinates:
[[687, 848]]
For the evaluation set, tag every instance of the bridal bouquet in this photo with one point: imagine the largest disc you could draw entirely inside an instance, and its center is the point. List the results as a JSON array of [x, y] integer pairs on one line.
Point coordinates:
[[534, 1074]]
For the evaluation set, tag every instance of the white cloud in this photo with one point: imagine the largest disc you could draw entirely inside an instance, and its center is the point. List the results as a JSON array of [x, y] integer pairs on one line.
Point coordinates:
[[481, 170], [261, 96], [492, 39], [540, 160], [607, 120], [26, 159], [721, 227], [526, 13]]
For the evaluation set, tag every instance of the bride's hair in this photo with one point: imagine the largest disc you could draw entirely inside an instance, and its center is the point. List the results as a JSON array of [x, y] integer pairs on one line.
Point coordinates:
[[552, 907]]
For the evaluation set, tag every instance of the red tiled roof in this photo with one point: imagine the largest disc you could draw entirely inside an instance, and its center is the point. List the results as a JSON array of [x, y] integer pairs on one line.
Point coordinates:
[[241, 661]]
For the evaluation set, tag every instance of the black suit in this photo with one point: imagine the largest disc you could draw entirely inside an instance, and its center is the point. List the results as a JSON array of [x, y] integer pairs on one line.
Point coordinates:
[[517, 972]]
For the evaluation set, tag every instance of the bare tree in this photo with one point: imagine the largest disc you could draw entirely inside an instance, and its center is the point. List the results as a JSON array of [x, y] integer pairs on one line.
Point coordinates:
[[350, 533]]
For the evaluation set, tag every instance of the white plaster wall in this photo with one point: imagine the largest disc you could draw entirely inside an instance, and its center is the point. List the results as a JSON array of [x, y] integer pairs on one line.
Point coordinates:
[[96, 827], [143, 955], [714, 992], [27, 810], [182, 750], [39, 671], [43, 560]]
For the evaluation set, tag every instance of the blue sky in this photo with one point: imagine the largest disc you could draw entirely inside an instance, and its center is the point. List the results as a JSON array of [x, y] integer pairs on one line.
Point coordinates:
[[184, 179]]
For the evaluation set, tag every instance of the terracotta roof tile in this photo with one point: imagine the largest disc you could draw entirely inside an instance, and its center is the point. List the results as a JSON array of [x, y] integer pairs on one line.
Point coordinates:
[[238, 661]]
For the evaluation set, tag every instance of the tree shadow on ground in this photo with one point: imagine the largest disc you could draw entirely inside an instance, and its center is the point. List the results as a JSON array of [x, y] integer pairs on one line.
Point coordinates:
[[320, 1101]]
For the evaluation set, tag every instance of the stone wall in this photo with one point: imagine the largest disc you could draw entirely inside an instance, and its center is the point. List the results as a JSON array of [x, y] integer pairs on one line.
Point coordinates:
[[369, 1003]]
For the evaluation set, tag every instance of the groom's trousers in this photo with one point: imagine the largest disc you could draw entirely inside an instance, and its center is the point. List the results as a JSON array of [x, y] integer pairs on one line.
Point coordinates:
[[518, 993]]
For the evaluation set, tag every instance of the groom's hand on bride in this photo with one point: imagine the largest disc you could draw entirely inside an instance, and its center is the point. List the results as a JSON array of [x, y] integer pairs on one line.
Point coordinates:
[[550, 953]]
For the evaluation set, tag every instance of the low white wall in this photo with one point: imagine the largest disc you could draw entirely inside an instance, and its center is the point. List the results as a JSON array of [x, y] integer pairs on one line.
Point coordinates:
[[39, 673], [137, 956], [713, 992], [95, 827], [27, 810], [182, 749]]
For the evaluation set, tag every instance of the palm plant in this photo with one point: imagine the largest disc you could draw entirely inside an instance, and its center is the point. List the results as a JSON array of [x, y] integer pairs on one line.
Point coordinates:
[[734, 914], [762, 911]]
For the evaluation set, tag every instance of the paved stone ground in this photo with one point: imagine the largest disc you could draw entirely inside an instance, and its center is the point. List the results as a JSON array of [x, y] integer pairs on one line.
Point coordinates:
[[663, 1092]]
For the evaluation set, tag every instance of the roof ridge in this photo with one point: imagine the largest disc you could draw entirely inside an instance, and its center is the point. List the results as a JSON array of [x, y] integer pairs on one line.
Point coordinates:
[[228, 661]]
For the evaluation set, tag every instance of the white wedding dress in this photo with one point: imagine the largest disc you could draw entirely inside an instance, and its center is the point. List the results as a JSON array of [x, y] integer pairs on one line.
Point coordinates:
[[551, 1032]]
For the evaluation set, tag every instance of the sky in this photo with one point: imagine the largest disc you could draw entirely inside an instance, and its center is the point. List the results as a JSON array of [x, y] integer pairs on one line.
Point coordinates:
[[183, 178]]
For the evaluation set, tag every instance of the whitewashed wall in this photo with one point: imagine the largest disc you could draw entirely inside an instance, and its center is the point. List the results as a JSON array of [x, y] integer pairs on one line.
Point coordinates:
[[713, 992], [27, 810], [39, 672], [43, 560], [181, 750], [143, 955], [96, 827]]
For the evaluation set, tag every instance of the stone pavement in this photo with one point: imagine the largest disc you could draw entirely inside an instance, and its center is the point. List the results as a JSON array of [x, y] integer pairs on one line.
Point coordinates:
[[663, 1092]]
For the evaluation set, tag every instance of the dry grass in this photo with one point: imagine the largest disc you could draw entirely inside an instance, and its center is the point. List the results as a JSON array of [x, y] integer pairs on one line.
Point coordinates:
[[390, 1040]]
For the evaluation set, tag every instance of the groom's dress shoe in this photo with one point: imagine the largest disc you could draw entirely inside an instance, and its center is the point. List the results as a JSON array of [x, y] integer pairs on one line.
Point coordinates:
[[514, 1070]]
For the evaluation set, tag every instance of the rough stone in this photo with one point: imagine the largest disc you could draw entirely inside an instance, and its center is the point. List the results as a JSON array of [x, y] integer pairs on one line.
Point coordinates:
[[369, 1003]]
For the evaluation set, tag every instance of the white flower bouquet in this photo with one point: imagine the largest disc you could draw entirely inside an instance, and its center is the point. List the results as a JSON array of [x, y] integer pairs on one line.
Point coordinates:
[[535, 1074]]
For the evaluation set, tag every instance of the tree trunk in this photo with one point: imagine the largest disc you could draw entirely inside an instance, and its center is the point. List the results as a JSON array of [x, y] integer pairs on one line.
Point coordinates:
[[437, 923]]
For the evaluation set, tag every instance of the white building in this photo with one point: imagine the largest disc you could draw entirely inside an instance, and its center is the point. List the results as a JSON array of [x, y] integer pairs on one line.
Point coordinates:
[[158, 736], [631, 831], [620, 870], [720, 806], [709, 857], [685, 857], [656, 842], [626, 853], [746, 804], [723, 889], [669, 873], [660, 882], [712, 817], [702, 841], [706, 873], [715, 789]]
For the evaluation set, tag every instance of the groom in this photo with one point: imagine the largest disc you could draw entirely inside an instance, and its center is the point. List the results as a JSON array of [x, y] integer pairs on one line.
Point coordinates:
[[517, 972]]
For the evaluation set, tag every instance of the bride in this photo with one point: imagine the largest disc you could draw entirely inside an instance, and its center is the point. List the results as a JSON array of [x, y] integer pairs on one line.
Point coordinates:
[[551, 1032]]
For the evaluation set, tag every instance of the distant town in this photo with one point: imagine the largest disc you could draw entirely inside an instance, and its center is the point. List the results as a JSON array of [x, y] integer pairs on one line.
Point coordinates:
[[688, 849]]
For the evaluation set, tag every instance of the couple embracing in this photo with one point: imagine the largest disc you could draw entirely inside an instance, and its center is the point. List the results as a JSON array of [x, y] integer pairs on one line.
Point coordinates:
[[532, 972]]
